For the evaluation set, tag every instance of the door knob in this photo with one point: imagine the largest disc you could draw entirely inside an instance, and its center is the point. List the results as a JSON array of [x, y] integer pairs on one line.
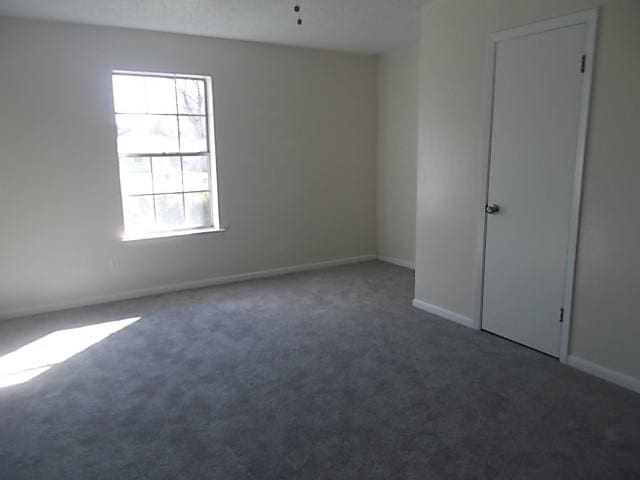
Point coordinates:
[[492, 209]]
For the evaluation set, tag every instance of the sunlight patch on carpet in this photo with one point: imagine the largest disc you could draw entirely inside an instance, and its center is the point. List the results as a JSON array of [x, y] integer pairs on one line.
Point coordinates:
[[35, 358]]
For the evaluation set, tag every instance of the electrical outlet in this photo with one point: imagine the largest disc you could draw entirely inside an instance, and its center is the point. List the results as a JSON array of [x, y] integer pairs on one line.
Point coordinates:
[[114, 264]]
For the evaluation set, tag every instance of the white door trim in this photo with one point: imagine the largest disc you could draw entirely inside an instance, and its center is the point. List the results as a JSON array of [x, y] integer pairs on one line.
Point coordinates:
[[590, 19]]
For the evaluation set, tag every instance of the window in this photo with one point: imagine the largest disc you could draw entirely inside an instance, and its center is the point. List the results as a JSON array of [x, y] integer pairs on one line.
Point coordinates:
[[166, 153]]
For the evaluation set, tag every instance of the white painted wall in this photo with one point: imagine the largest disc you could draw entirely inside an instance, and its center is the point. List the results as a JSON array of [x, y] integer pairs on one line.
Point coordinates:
[[397, 154], [453, 73], [296, 132]]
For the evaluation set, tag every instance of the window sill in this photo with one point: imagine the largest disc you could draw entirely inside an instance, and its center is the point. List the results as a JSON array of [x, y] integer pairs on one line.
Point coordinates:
[[171, 234]]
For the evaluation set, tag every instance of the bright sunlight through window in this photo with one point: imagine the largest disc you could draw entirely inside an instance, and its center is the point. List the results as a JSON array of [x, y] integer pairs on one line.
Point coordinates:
[[37, 357], [166, 152]]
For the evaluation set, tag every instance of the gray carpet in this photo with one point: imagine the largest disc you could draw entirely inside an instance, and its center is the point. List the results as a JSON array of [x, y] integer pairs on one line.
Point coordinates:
[[326, 375]]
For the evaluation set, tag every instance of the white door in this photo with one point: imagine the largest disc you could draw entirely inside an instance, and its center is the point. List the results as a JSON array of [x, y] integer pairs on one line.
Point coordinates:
[[536, 110]]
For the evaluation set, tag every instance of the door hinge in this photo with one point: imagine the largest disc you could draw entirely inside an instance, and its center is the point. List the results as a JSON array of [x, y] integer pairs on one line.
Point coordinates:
[[583, 63], [561, 315]]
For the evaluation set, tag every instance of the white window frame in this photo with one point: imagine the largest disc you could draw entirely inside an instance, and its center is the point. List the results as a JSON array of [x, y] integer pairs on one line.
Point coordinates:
[[210, 153]]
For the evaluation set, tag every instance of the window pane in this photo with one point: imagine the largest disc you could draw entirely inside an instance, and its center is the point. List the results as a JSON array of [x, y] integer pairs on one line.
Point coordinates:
[[197, 209], [147, 134], [169, 211], [128, 94], [161, 95], [193, 134], [195, 171], [158, 115], [135, 175], [167, 174], [138, 213], [191, 96]]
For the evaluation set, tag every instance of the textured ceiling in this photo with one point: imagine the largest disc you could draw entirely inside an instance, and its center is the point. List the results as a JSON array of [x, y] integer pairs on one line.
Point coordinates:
[[367, 26]]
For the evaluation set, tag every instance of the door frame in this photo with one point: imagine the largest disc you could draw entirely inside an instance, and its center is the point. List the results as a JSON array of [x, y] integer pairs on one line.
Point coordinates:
[[590, 19]]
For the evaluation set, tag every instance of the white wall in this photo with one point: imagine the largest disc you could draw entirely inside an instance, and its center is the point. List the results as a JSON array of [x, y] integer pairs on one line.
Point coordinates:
[[397, 154], [296, 132], [453, 61]]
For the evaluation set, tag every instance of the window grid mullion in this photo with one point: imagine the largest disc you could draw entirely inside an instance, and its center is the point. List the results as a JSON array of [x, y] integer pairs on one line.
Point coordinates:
[[153, 192], [162, 114], [206, 113], [164, 154], [184, 206], [166, 193]]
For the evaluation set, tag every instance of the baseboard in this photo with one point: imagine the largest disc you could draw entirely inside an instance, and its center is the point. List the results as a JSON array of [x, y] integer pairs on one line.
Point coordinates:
[[622, 379], [443, 313], [396, 261], [175, 287]]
